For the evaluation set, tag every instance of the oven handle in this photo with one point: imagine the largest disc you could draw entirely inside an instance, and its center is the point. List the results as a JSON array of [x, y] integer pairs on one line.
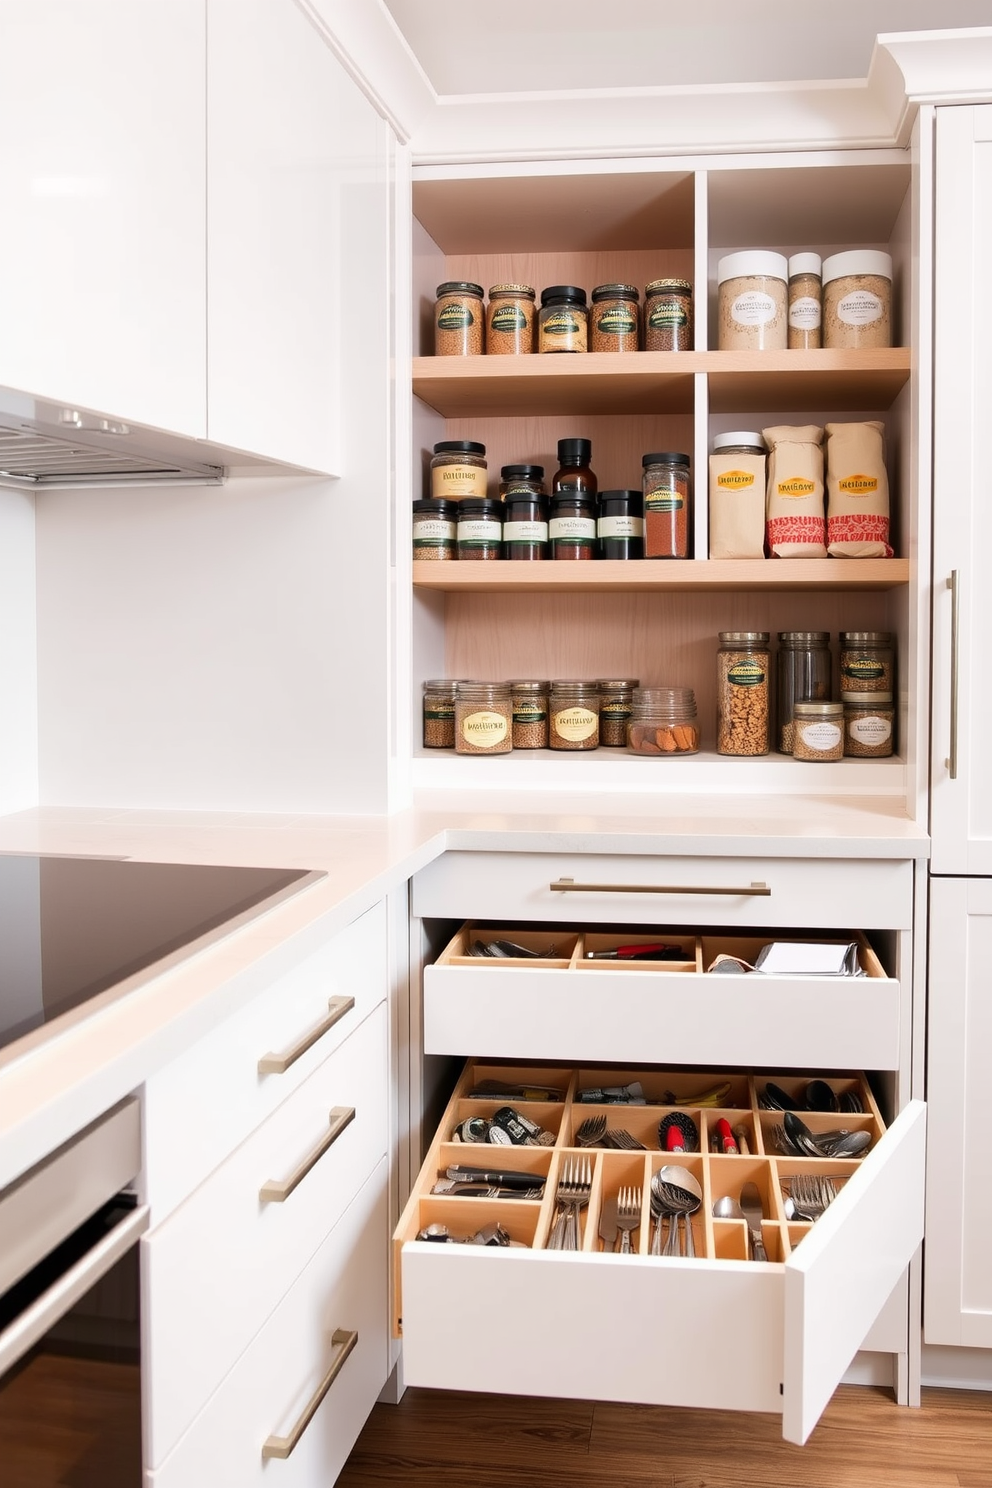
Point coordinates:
[[34, 1322]]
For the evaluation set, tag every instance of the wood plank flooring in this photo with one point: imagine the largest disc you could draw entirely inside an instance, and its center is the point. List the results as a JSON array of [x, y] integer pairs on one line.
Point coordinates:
[[70, 1423]]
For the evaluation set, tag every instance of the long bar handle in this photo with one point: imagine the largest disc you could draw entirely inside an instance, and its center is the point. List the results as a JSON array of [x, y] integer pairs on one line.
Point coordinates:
[[569, 886], [954, 584], [278, 1064], [281, 1446], [277, 1190]]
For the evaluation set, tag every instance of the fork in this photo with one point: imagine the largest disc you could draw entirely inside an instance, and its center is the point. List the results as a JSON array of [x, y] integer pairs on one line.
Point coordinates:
[[623, 1140], [628, 1216], [574, 1185], [590, 1132]]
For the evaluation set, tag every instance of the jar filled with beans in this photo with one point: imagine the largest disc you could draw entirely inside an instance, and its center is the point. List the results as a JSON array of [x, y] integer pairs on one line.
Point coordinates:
[[530, 714], [819, 731], [866, 661], [668, 315], [459, 319], [511, 320], [439, 713], [615, 703], [743, 692], [483, 718], [615, 320], [869, 720], [665, 483], [574, 715], [434, 526]]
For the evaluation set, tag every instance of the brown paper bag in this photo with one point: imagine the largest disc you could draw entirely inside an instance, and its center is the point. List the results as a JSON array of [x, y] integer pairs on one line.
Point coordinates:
[[857, 491], [795, 517], [737, 505]]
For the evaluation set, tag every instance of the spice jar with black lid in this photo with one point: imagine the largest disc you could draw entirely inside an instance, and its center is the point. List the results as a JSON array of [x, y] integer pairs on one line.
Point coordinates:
[[525, 519], [574, 472], [459, 319], [665, 484], [511, 320], [458, 468], [480, 529], [521, 480], [434, 524], [620, 524], [563, 319], [668, 315], [615, 320]]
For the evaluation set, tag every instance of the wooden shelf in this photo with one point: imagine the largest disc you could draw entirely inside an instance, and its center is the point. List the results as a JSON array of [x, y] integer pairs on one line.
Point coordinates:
[[660, 382], [610, 576]]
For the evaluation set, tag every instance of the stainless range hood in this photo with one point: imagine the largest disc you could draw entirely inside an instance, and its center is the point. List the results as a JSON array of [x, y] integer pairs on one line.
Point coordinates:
[[45, 446]]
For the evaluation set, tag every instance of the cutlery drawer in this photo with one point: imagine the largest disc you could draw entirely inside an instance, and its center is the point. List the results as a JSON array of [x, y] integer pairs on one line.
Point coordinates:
[[719, 1329], [568, 1007]]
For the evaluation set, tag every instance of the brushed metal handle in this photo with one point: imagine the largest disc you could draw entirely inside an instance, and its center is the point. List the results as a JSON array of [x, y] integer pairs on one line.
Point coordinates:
[[954, 584], [569, 886], [277, 1190], [281, 1446], [278, 1064]]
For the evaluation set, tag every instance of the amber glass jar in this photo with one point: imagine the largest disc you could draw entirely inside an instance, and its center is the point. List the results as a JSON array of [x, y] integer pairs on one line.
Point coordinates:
[[668, 315], [511, 320], [615, 320]]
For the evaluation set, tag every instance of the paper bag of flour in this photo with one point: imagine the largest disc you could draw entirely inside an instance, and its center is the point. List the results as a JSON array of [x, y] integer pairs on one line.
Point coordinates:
[[857, 491], [794, 512], [737, 496]]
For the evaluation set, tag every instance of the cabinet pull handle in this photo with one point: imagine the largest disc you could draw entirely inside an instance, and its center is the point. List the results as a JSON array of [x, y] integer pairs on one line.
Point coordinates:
[[954, 585], [281, 1446], [277, 1190], [569, 886], [278, 1064]]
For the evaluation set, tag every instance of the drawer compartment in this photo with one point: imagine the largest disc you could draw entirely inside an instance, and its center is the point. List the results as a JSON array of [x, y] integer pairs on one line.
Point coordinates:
[[585, 1010], [773, 1336]]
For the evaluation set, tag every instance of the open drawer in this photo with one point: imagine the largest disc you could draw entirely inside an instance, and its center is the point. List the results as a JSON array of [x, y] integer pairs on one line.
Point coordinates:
[[567, 1006], [716, 1330]]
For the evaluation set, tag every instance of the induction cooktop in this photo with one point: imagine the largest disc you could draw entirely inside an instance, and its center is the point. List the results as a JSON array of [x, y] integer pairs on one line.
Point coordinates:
[[76, 932]]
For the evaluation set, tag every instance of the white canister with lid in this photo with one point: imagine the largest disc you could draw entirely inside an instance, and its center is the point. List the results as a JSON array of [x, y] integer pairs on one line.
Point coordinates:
[[857, 299], [754, 301], [805, 301]]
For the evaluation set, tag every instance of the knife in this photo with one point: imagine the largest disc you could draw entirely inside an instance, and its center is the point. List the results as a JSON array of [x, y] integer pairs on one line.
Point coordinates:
[[608, 1223], [498, 1179], [750, 1202]]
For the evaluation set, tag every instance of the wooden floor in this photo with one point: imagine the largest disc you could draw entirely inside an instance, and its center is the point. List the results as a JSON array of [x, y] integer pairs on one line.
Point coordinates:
[[70, 1423], [488, 1441]]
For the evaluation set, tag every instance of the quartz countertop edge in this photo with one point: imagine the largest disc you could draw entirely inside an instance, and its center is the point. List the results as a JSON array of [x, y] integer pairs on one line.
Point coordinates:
[[57, 1087]]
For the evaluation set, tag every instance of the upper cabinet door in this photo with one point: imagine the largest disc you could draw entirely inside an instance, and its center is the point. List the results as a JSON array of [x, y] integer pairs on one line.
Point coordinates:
[[962, 513], [292, 148], [102, 250]]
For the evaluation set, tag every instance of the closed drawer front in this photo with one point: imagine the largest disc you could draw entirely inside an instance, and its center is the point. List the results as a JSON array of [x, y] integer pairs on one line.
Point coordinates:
[[199, 1107], [874, 893], [277, 1381], [218, 1266], [582, 1009], [718, 1330]]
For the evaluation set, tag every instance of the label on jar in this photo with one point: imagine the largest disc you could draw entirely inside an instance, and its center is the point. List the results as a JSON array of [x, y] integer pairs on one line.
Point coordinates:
[[528, 532], [572, 529], [871, 732], [529, 713], [432, 532], [618, 320], [667, 314], [614, 709], [663, 501], [575, 724], [458, 480], [823, 737], [735, 480], [752, 308], [479, 534], [863, 669], [746, 674], [442, 711], [805, 313], [454, 317], [507, 318], [859, 308], [797, 485], [858, 485], [484, 730], [620, 527]]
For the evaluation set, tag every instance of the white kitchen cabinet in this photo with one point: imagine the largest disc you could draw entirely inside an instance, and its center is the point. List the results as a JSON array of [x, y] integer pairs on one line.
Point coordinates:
[[102, 112]]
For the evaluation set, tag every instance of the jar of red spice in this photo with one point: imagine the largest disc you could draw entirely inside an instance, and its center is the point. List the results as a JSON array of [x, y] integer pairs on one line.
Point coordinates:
[[665, 483]]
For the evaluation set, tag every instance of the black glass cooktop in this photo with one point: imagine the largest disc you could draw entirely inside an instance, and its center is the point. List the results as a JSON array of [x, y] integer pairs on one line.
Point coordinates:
[[75, 929]]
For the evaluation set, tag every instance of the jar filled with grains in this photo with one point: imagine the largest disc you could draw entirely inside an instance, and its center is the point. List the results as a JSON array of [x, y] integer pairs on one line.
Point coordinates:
[[620, 524], [615, 321], [615, 702], [574, 715], [668, 315], [439, 714], [866, 661], [665, 484], [480, 529], [754, 301], [663, 722], [458, 319], [483, 718], [530, 714], [563, 319], [819, 731], [742, 694], [857, 299], [805, 301], [803, 675], [434, 529], [869, 719], [458, 468], [511, 320]]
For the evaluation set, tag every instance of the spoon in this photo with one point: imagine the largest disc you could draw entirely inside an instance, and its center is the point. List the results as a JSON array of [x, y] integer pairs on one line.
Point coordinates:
[[820, 1097], [675, 1191], [727, 1208]]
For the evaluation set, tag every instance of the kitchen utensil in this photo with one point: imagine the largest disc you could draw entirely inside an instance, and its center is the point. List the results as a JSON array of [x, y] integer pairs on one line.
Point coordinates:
[[608, 1222], [656, 952], [618, 1137], [740, 1132], [590, 1132], [750, 1202], [679, 1195], [777, 1099], [800, 1136], [574, 1185], [820, 1097], [677, 1132], [725, 1137], [498, 1177], [628, 1216], [727, 1208]]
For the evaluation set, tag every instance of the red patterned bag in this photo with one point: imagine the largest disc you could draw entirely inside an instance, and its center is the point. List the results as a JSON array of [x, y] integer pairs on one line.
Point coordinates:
[[857, 491], [795, 521]]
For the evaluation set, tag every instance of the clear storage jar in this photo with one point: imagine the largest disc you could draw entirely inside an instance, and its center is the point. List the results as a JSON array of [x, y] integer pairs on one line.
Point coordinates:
[[483, 718], [857, 299], [573, 709], [563, 319], [458, 468], [615, 702], [754, 301], [525, 522], [869, 722], [803, 675], [743, 692], [511, 320], [530, 714], [434, 529], [615, 319], [819, 731], [665, 486], [480, 529], [439, 713], [459, 319], [668, 315], [663, 722], [805, 302], [867, 662]]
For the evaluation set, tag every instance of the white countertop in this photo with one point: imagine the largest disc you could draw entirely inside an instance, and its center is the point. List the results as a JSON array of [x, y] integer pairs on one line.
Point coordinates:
[[57, 1086]]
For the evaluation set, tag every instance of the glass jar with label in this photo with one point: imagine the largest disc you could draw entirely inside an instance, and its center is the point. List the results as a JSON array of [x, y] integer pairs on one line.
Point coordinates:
[[668, 315], [857, 299], [483, 718], [511, 320], [572, 527], [525, 525], [742, 692], [620, 524], [521, 480], [439, 713], [434, 529], [563, 319], [665, 484], [869, 721], [615, 703], [805, 301], [480, 529], [615, 321], [866, 661], [803, 675], [663, 722], [530, 714], [458, 319], [458, 468], [574, 715], [819, 731], [754, 301]]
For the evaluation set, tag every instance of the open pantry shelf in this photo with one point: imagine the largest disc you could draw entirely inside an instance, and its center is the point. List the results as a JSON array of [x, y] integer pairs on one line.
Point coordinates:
[[685, 575]]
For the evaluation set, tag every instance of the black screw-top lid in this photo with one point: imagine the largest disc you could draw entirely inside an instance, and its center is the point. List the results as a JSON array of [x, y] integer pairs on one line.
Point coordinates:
[[437, 506], [665, 457], [459, 447], [574, 451], [482, 506], [572, 292], [522, 472], [632, 501]]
